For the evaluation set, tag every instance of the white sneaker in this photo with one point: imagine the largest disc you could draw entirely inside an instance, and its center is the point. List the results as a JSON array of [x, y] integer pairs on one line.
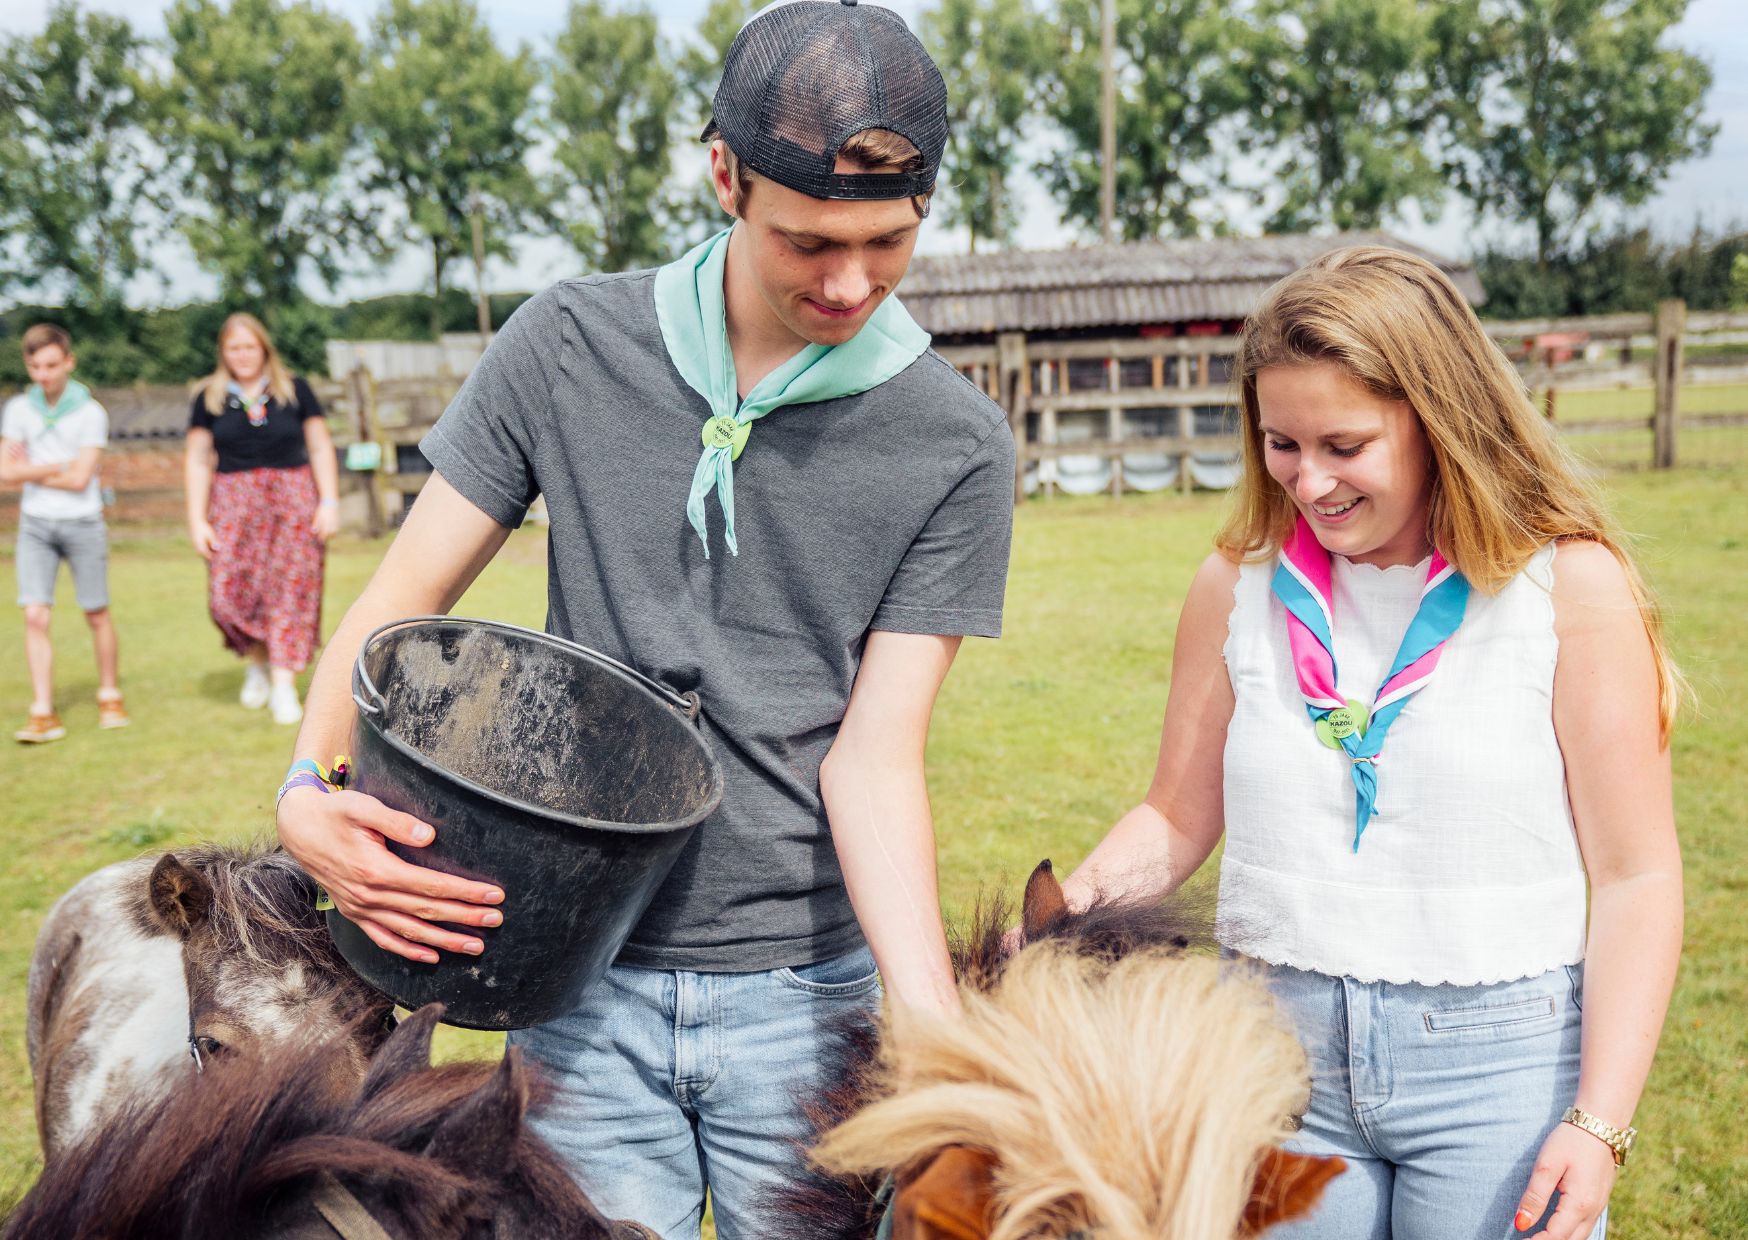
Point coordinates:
[[284, 704], [256, 687]]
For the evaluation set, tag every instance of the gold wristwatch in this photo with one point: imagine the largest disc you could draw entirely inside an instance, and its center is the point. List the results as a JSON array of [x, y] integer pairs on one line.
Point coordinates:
[[1620, 1140]]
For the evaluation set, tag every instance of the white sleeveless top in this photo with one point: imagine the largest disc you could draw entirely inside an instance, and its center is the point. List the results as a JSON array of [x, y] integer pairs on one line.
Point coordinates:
[[1469, 873]]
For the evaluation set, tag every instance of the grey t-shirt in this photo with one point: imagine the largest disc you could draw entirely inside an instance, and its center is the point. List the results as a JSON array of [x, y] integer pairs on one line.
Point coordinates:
[[891, 509]]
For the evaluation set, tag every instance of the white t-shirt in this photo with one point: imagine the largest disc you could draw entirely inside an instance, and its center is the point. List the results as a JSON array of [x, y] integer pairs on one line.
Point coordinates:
[[56, 442]]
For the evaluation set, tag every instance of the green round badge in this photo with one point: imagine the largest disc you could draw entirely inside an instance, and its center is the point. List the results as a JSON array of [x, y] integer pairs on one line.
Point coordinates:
[[723, 431], [1343, 722]]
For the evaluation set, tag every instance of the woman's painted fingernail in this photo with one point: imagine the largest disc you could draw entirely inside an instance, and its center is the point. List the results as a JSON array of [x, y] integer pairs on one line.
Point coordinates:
[[494, 897], [474, 947], [493, 918], [422, 835], [1524, 1220]]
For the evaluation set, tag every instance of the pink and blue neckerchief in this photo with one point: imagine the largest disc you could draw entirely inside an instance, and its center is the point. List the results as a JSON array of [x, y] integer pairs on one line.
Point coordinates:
[[1302, 583]]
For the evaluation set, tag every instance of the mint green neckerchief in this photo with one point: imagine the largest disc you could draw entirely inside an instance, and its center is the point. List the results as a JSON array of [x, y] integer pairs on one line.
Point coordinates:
[[694, 322], [72, 397]]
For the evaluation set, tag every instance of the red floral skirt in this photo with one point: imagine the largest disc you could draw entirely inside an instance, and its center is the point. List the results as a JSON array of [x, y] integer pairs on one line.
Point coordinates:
[[265, 582]]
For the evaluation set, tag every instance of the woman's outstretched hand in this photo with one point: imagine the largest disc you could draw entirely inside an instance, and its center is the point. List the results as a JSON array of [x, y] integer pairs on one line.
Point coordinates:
[[1582, 1168]]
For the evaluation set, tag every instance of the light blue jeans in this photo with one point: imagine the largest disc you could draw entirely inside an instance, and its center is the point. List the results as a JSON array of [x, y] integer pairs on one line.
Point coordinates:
[[668, 1083], [1439, 1097]]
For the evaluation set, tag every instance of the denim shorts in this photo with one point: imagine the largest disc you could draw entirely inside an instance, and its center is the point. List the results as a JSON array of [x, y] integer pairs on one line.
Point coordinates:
[[1438, 1097], [665, 1083], [83, 542]]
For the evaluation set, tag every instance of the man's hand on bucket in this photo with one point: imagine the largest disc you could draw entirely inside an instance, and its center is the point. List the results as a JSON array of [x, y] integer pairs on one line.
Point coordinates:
[[338, 838]]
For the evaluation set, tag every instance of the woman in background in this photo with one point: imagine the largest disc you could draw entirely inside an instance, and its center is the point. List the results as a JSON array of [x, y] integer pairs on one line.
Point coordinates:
[[263, 499]]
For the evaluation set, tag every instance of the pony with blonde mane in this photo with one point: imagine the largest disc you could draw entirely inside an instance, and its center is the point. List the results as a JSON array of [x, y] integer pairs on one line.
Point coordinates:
[[1103, 1081]]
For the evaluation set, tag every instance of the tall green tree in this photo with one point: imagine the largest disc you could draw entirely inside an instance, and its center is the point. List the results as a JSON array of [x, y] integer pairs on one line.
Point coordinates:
[[77, 172], [1564, 106], [448, 117], [257, 112], [614, 88], [696, 213], [992, 54], [1344, 92], [1181, 84], [699, 64]]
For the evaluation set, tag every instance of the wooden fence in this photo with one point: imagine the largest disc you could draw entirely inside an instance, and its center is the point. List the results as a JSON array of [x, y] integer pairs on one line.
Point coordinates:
[[1123, 401], [1160, 411]]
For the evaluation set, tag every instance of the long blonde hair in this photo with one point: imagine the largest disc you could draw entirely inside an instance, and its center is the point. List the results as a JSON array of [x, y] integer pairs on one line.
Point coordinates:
[[1135, 1098], [213, 387], [1503, 485]]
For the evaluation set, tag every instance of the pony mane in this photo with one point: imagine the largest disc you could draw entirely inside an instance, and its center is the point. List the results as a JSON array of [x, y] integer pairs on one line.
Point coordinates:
[[224, 1156], [264, 906], [842, 1205], [1136, 1096]]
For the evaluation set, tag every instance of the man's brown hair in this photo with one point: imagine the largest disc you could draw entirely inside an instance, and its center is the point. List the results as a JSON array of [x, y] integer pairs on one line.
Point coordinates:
[[42, 335], [872, 150]]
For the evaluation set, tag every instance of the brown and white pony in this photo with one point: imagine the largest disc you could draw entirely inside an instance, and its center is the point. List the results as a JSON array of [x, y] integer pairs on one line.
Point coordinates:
[[1108, 1080], [150, 969], [279, 1149]]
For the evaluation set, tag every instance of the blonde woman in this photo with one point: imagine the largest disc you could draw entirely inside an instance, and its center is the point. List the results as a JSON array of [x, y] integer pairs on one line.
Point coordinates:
[[263, 491], [1421, 688]]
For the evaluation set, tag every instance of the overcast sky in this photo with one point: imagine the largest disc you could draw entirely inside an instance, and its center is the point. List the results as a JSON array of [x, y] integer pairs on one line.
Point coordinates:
[[1713, 190]]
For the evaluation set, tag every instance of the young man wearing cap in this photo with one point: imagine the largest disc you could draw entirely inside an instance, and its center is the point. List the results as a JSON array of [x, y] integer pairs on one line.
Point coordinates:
[[763, 488]]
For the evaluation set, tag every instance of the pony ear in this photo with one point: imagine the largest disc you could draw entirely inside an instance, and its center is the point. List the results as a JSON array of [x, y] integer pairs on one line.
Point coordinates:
[[1045, 906], [179, 896], [407, 1050], [951, 1198], [480, 1136], [1287, 1186]]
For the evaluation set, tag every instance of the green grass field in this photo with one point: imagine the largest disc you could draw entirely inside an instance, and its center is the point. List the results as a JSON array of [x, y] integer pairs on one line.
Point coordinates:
[[1630, 448], [1041, 740]]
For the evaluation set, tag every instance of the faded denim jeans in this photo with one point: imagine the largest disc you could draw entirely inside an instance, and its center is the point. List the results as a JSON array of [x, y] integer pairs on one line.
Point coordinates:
[[666, 1083], [1439, 1097]]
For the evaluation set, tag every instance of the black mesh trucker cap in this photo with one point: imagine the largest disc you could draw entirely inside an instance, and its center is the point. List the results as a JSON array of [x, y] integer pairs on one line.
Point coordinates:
[[801, 79]]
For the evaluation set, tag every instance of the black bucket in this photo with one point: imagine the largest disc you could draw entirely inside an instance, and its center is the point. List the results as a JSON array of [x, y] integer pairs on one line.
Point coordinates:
[[567, 779]]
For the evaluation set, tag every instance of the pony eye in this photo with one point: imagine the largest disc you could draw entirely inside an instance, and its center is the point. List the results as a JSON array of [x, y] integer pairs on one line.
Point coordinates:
[[208, 1045]]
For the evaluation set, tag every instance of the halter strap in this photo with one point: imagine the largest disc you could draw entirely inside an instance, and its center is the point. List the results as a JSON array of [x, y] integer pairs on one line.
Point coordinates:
[[344, 1212]]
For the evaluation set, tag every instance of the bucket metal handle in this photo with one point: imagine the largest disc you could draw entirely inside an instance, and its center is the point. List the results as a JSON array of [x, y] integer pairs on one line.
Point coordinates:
[[370, 700], [686, 703]]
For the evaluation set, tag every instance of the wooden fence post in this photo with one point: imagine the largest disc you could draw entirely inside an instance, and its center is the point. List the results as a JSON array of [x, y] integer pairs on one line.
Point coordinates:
[[1186, 424], [1010, 352], [364, 402], [1671, 323]]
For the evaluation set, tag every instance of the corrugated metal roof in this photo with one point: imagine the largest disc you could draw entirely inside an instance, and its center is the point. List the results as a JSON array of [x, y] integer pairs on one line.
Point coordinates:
[[1123, 285]]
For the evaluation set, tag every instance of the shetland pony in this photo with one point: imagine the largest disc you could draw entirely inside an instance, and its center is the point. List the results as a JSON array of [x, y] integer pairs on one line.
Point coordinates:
[[279, 1149], [1108, 1079], [149, 969]]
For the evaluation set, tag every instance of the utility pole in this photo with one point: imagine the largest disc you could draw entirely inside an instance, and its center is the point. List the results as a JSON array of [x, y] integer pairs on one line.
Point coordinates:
[[1108, 124], [477, 213]]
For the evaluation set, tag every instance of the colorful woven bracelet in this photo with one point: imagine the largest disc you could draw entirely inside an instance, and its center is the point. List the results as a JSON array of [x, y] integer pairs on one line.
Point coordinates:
[[302, 779], [308, 773]]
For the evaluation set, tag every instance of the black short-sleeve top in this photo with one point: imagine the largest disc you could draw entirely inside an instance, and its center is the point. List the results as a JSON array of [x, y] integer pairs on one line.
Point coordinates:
[[269, 438]]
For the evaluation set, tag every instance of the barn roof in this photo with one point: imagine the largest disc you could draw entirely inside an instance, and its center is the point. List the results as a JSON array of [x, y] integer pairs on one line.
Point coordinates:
[[1124, 285]]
